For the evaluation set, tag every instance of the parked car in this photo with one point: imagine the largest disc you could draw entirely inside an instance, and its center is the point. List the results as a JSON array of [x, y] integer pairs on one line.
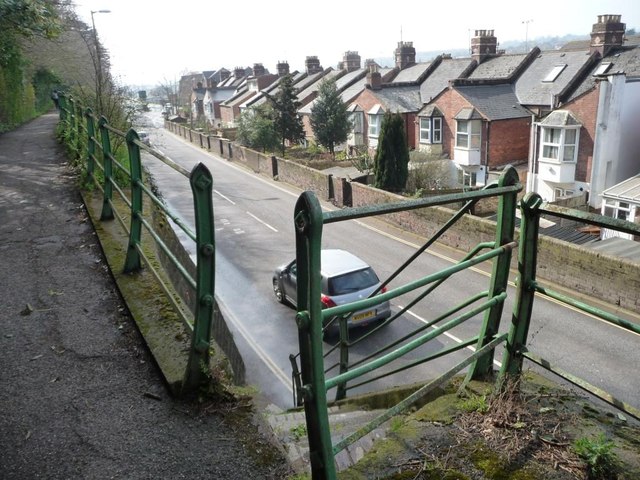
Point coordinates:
[[345, 278], [144, 137]]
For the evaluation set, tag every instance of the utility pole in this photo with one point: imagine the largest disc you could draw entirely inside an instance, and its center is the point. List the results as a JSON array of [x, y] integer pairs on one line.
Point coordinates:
[[98, 62], [526, 35]]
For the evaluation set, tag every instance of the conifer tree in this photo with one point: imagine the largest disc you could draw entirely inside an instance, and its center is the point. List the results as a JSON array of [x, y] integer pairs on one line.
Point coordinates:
[[285, 104], [329, 117], [392, 154]]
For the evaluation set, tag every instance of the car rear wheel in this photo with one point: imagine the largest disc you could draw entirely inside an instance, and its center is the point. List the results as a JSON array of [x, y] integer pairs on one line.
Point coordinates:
[[277, 291]]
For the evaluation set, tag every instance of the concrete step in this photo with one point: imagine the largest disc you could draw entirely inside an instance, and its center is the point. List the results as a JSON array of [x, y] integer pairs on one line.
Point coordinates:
[[289, 427]]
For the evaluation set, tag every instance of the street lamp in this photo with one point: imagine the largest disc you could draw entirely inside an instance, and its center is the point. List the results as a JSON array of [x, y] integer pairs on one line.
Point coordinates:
[[99, 61], [526, 35]]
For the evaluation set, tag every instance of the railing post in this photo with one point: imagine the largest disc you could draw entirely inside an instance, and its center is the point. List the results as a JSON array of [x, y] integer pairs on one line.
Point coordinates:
[[308, 229], [91, 142], [505, 229], [133, 262], [198, 363], [107, 165], [523, 306], [63, 108], [78, 137], [341, 390], [72, 123]]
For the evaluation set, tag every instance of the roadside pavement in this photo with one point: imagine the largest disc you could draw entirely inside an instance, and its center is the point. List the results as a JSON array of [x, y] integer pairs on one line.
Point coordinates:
[[80, 396]]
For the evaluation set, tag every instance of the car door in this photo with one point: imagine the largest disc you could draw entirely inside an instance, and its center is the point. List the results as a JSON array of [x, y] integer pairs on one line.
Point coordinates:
[[290, 283]]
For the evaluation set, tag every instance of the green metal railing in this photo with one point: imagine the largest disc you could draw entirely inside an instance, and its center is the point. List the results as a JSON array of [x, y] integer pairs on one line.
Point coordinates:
[[532, 208], [310, 378], [96, 136]]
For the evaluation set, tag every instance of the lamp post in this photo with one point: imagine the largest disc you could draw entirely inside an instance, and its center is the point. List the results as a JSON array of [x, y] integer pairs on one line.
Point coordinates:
[[526, 35], [98, 61]]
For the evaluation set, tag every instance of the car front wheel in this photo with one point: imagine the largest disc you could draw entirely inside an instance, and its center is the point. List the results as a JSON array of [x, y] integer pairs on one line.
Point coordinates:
[[277, 291]]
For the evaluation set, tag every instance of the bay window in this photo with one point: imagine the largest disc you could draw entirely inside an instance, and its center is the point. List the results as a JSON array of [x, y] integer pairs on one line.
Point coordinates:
[[374, 125], [559, 144], [468, 134]]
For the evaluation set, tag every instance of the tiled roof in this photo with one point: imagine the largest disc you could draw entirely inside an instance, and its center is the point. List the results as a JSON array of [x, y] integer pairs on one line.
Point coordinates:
[[439, 79], [412, 73], [403, 99], [500, 67], [531, 88], [494, 102], [623, 60], [628, 190]]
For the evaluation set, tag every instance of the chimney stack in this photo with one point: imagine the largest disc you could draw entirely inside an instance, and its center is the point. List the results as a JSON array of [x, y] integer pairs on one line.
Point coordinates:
[[607, 34], [405, 55], [312, 65], [238, 72], [483, 45], [374, 78], [258, 70], [282, 68], [351, 61]]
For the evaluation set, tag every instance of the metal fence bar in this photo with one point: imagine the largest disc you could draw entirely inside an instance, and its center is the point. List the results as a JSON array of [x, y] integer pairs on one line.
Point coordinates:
[[410, 346], [525, 293], [417, 395], [132, 260], [505, 230], [583, 384], [107, 169], [201, 186], [308, 229]]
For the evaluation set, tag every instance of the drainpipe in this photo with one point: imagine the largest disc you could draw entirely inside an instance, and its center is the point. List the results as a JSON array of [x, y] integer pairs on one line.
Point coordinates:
[[486, 155], [533, 142]]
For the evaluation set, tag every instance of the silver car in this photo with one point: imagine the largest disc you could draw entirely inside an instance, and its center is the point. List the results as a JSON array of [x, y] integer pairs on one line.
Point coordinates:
[[345, 278]]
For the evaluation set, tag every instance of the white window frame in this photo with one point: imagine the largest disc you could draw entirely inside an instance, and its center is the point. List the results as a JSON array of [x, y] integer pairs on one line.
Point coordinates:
[[563, 152], [554, 73], [431, 130], [374, 125], [357, 121], [617, 209], [472, 136], [425, 130]]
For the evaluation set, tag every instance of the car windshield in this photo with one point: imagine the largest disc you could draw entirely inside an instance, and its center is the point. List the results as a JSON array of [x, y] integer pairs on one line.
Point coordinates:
[[352, 282]]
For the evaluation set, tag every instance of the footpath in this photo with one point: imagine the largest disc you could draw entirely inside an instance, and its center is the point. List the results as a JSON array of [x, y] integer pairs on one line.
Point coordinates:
[[80, 396]]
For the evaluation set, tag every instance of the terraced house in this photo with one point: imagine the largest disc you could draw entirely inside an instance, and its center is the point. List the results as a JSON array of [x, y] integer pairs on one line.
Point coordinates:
[[568, 119]]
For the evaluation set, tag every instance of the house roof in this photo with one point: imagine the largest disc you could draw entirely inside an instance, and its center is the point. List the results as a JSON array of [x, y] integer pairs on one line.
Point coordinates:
[[314, 81], [586, 43], [412, 73], [560, 118], [217, 95], [531, 87], [629, 190], [404, 99], [623, 60], [275, 88], [500, 67], [494, 102], [349, 85], [439, 79]]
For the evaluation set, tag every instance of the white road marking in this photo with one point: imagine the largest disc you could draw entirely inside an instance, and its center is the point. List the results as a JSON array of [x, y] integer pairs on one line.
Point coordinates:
[[261, 221], [447, 334], [225, 197]]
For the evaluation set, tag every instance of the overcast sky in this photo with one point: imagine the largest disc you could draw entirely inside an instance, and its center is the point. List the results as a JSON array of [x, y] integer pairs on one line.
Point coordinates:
[[152, 42]]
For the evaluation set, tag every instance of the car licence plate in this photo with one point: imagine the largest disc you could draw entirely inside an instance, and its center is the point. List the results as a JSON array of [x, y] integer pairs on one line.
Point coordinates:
[[362, 316]]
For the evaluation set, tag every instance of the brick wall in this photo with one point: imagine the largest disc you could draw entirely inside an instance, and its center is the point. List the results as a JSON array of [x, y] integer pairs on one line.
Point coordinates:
[[509, 141], [585, 110]]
